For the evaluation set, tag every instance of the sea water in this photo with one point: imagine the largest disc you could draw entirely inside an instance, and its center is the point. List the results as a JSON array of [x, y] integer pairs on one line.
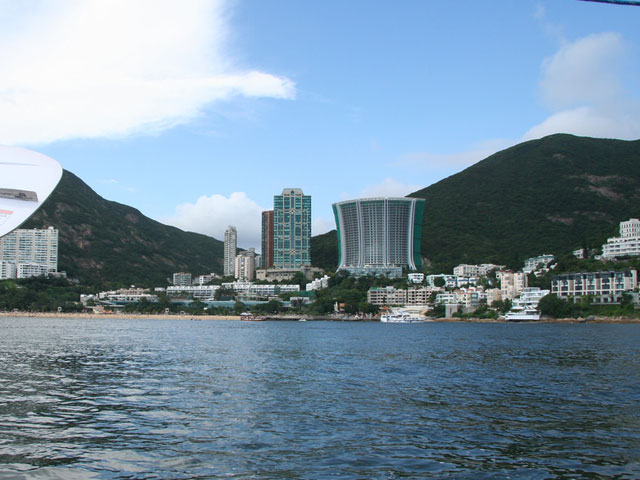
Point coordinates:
[[174, 399]]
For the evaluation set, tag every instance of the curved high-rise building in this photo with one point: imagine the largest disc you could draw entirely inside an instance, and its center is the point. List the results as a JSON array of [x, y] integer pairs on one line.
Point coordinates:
[[379, 235]]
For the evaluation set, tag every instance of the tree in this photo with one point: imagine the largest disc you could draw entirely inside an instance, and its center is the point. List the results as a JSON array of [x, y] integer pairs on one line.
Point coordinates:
[[439, 282]]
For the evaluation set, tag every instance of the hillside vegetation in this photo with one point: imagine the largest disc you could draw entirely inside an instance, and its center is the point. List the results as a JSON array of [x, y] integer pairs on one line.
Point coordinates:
[[103, 242], [551, 195]]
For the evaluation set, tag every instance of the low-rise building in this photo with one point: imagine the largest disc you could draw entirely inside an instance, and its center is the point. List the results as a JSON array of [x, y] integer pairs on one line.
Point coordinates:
[[465, 270], [318, 284], [386, 296], [415, 277], [204, 279], [280, 274], [199, 292], [603, 286], [181, 278], [538, 264], [627, 244], [127, 295]]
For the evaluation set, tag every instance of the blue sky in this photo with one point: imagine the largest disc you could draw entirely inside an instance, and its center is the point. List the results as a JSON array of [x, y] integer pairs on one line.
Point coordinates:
[[198, 112]]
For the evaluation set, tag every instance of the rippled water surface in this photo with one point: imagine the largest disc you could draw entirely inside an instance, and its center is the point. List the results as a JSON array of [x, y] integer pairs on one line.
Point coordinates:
[[272, 400]]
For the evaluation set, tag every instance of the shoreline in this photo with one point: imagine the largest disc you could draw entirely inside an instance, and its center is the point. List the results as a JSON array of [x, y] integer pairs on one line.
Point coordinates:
[[151, 316]]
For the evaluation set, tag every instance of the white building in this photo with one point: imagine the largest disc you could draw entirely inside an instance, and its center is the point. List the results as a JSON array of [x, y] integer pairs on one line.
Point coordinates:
[[245, 266], [28, 270], [230, 250], [603, 286], [446, 298], [8, 270], [450, 281], [415, 277], [464, 270], [512, 283], [248, 289], [530, 297], [539, 263], [127, 295], [35, 249], [200, 292], [203, 279], [627, 244], [318, 284]]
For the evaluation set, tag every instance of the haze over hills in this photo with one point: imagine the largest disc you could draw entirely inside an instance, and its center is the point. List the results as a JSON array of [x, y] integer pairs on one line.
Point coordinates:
[[102, 241], [551, 195]]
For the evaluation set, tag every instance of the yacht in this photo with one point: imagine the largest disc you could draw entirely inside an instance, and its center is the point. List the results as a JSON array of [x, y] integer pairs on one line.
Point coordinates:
[[400, 317]]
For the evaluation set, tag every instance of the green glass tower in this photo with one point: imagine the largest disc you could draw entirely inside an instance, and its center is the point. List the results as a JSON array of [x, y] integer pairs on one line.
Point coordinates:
[[291, 229]]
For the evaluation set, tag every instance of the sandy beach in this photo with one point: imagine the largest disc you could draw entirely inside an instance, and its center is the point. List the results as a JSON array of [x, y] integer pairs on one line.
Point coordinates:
[[140, 316]]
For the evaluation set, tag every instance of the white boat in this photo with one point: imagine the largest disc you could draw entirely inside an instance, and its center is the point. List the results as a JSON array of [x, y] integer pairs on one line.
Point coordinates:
[[522, 315], [400, 317]]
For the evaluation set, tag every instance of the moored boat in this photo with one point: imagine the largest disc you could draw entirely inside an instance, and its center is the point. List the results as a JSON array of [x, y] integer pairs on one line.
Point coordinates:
[[400, 317], [251, 317]]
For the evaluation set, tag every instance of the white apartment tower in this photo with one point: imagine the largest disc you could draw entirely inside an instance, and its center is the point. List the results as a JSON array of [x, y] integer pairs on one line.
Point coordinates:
[[29, 252], [245, 266], [627, 244], [230, 248]]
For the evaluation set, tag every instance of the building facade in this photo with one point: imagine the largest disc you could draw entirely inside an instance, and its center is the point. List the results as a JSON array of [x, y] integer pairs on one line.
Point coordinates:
[[627, 244], [379, 233], [603, 286], [291, 229], [29, 252], [512, 284], [181, 278], [245, 266], [230, 250], [267, 239]]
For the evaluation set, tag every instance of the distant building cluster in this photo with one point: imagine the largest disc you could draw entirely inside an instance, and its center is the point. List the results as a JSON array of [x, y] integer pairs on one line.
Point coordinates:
[[28, 253], [627, 244], [286, 242]]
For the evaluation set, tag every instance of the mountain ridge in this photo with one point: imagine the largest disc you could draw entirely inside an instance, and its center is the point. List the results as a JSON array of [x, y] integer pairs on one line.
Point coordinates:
[[102, 241]]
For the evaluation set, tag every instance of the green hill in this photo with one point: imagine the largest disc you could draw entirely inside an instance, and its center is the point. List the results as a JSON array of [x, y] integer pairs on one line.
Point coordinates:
[[543, 196], [102, 241], [324, 250], [551, 195]]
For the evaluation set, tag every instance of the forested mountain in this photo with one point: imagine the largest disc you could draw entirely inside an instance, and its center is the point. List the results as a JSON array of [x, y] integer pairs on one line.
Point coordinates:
[[551, 195], [106, 242]]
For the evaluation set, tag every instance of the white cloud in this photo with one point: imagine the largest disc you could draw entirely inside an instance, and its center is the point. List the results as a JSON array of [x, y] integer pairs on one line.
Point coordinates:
[[93, 68], [211, 215], [585, 71], [456, 161], [583, 84]]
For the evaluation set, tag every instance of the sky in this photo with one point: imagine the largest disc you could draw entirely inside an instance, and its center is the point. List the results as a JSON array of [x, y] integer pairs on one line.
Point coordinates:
[[197, 113]]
